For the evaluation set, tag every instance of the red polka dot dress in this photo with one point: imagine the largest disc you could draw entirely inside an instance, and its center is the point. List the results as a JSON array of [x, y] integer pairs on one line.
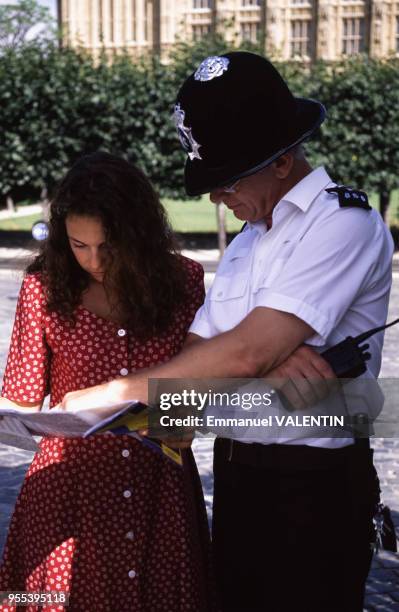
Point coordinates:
[[117, 526]]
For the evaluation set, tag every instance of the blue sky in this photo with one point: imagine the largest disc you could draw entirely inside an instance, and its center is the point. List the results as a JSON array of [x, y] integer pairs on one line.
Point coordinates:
[[51, 4]]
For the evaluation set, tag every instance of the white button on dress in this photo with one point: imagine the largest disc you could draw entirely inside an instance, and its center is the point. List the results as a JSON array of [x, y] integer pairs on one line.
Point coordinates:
[[124, 372], [131, 574], [130, 535], [125, 452], [127, 493], [121, 332]]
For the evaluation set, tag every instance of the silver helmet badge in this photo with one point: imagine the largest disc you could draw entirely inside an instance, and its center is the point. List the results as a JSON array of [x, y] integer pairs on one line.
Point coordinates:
[[186, 138], [212, 67]]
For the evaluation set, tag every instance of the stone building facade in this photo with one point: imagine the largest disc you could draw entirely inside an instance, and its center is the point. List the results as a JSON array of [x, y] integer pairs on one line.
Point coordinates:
[[303, 29]]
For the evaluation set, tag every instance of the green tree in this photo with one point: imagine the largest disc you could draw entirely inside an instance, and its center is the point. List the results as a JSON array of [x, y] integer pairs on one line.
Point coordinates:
[[17, 22], [359, 142], [58, 104]]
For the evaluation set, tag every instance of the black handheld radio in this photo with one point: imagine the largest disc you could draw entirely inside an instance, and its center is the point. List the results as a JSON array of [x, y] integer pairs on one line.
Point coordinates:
[[348, 358]]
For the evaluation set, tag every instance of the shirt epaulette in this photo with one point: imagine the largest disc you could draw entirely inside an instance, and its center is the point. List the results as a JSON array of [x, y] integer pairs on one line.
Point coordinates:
[[348, 197]]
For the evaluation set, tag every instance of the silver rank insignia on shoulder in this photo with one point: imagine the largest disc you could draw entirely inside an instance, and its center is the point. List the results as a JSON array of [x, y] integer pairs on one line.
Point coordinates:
[[348, 197], [186, 138], [212, 67]]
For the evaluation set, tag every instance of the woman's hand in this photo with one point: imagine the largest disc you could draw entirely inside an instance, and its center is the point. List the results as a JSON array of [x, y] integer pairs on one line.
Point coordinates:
[[100, 398], [92, 397], [305, 378]]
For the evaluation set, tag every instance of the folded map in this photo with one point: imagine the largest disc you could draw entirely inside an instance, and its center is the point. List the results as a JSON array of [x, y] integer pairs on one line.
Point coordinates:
[[18, 426]]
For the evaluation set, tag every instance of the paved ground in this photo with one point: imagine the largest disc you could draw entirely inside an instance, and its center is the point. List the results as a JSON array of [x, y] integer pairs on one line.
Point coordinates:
[[383, 584], [22, 211]]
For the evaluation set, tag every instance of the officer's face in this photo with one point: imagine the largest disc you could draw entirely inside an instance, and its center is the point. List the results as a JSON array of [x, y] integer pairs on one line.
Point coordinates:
[[254, 197]]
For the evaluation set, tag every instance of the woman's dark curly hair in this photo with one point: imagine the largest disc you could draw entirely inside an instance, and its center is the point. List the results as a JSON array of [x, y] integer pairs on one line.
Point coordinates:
[[142, 270]]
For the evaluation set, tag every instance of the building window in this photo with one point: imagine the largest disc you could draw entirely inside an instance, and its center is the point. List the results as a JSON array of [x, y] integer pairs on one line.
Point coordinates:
[[100, 21], [300, 38], [250, 30], [353, 35], [250, 2], [111, 21], [146, 22], [83, 31], [200, 30], [201, 4], [134, 24]]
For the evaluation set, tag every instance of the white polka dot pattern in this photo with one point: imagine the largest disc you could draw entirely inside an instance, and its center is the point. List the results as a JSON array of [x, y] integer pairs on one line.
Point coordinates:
[[106, 519]]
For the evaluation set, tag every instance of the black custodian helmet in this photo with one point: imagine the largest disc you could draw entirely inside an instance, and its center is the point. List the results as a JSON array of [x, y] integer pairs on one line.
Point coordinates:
[[234, 116]]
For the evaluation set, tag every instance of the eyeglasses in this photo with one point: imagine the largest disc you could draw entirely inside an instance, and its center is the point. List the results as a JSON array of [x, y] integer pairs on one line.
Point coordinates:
[[231, 188]]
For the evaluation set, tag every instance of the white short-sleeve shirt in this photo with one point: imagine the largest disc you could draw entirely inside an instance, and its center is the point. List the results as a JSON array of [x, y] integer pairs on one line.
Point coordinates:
[[331, 266]]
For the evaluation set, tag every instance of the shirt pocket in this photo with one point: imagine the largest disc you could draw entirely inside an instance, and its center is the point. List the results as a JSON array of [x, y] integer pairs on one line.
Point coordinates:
[[226, 288], [228, 301]]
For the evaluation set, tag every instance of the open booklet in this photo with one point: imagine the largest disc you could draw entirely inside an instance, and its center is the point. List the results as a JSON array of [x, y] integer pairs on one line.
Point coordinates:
[[19, 425]]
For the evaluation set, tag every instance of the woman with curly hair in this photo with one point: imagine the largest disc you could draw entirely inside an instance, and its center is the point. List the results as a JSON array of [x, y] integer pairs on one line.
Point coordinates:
[[106, 519]]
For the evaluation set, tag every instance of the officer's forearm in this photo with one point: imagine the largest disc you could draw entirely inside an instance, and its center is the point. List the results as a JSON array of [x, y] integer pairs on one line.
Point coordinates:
[[221, 357], [261, 342]]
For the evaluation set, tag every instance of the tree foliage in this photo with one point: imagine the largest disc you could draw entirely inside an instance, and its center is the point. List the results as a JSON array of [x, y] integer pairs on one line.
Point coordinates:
[[58, 104], [359, 141], [18, 21]]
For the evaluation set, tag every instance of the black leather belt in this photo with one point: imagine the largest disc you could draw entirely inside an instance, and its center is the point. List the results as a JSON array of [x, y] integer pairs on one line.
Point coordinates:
[[280, 455]]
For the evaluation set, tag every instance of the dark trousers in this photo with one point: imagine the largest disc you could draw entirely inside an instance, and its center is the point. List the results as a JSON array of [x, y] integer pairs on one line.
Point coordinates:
[[292, 532]]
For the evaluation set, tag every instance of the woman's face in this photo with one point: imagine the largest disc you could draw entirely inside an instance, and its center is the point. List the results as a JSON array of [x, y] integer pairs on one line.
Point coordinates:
[[87, 239]]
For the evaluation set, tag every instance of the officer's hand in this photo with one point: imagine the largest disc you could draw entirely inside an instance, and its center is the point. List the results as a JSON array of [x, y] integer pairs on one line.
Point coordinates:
[[305, 378], [179, 443], [185, 441]]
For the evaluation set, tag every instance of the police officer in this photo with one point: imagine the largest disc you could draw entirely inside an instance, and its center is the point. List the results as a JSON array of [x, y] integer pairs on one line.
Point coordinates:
[[312, 266]]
